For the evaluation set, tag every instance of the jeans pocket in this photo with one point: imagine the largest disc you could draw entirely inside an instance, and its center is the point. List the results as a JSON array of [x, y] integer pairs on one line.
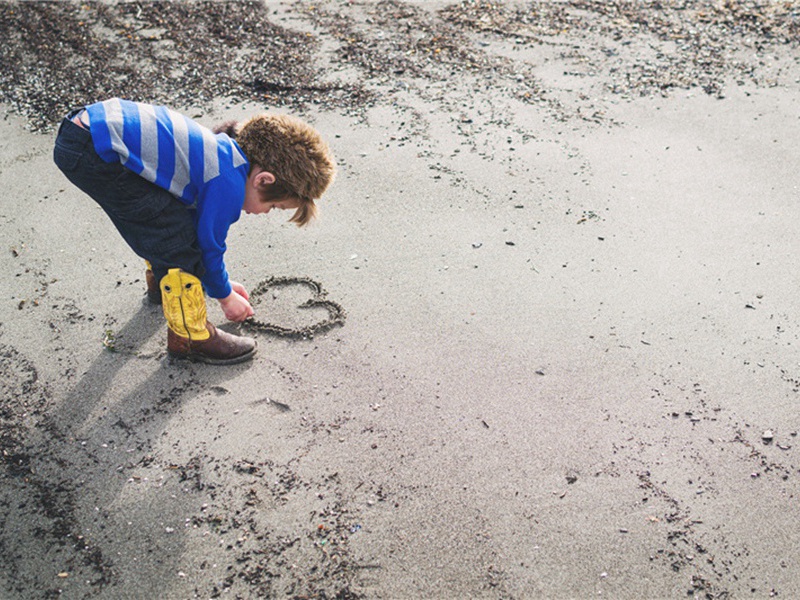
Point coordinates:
[[176, 240], [138, 199], [65, 159], [168, 234]]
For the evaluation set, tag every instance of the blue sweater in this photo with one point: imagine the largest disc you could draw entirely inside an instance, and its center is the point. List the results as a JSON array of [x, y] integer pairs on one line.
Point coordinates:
[[206, 172]]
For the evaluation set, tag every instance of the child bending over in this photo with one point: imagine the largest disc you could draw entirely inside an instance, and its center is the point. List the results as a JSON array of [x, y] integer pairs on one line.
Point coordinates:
[[173, 188]]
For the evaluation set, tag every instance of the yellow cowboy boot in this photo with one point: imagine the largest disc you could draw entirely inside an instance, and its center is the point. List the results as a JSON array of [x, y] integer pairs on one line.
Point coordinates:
[[189, 334], [153, 292]]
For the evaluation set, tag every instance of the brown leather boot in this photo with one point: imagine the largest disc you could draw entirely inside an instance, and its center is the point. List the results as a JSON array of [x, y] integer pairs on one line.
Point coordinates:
[[190, 335], [221, 348]]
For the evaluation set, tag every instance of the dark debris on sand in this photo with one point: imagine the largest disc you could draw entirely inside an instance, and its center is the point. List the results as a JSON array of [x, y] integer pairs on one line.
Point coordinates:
[[686, 43], [397, 40], [58, 55]]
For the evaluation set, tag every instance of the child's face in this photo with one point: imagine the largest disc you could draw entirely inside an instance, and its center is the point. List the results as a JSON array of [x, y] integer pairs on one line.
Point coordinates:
[[257, 207], [253, 205]]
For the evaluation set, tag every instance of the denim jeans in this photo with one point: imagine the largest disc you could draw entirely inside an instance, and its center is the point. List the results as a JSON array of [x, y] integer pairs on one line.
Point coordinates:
[[154, 223]]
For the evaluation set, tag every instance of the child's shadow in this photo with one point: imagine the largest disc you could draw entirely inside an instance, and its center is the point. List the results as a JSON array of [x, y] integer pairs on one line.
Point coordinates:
[[109, 422], [112, 380]]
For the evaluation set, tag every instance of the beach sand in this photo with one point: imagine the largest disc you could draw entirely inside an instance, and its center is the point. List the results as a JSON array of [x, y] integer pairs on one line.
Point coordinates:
[[563, 239]]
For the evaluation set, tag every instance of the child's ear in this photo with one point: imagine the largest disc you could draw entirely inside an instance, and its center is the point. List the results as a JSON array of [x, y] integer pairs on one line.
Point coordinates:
[[264, 178]]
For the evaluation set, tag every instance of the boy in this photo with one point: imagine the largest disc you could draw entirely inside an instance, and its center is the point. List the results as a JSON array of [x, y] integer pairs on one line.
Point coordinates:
[[172, 188]]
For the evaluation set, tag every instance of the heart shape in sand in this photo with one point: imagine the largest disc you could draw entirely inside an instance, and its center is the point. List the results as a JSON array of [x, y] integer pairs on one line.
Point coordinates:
[[280, 297]]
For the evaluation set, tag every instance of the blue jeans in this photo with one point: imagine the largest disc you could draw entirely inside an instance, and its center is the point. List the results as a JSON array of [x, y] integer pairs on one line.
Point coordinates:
[[155, 224]]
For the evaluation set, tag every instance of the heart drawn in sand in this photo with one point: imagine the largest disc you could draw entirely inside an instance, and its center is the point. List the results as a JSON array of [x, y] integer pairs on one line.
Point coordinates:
[[336, 315]]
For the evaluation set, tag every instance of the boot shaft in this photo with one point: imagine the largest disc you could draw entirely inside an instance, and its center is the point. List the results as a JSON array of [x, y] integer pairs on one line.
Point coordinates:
[[184, 305]]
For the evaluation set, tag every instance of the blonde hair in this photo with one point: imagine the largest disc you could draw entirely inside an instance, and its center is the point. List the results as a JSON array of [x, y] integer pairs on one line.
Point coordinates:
[[295, 153]]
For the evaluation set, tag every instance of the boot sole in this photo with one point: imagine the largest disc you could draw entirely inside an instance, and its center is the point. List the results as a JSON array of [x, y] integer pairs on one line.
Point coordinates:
[[214, 361]]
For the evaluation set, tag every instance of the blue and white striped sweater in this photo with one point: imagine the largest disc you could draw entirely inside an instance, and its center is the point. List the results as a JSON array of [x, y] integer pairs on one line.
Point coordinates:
[[203, 170]]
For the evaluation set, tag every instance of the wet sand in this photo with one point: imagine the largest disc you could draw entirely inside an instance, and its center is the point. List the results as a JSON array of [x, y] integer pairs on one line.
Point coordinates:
[[564, 237]]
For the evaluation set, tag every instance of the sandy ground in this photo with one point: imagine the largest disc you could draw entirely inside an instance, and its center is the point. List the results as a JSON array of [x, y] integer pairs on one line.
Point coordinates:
[[569, 369]]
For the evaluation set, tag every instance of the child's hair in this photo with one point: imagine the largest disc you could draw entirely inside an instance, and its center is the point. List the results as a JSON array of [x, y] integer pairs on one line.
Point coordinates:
[[291, 150]]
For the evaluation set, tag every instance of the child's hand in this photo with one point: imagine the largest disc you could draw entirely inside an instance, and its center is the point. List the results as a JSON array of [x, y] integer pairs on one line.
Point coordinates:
[[236, 307], [239, 289]]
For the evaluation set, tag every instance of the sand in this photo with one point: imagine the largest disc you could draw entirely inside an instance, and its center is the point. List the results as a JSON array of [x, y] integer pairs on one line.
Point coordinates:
[[569, 366]]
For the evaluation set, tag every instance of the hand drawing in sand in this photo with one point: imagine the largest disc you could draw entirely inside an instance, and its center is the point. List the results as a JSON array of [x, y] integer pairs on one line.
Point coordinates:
[[280, 297]]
